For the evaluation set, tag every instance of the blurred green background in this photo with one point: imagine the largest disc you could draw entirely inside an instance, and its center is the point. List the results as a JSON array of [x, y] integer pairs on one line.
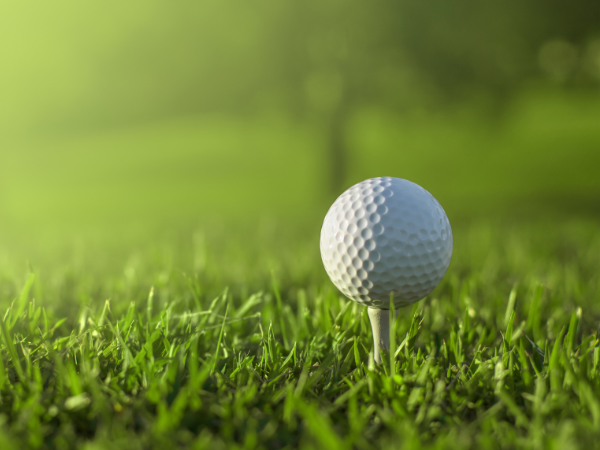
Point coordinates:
[[159, 115]]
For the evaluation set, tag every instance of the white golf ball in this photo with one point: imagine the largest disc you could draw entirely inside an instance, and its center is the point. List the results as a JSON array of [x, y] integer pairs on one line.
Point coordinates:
[[386, 235]]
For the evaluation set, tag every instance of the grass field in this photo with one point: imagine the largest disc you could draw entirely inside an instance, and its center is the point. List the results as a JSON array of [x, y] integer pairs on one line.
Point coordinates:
[[165, 168], [161, 286], [204, 341]]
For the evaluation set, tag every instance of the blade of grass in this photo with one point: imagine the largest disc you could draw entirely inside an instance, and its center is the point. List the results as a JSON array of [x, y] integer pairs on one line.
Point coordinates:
[[216, 358], [12, 351]]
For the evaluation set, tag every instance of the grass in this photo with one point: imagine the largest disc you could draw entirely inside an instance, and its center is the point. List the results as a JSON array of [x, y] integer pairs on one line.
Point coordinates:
[[203, 342]]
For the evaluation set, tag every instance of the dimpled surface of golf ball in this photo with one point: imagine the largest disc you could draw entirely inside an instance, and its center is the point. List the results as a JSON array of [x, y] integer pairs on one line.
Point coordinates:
[[386, 235]]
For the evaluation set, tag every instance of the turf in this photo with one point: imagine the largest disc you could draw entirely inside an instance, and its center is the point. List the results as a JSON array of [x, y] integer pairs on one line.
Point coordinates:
[[200, 342]]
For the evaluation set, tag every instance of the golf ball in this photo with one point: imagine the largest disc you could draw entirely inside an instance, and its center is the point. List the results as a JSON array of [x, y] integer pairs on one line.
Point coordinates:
[[386, 235]]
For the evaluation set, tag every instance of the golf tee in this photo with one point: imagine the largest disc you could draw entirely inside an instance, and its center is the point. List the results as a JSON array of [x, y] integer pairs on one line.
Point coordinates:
[[380, 325]]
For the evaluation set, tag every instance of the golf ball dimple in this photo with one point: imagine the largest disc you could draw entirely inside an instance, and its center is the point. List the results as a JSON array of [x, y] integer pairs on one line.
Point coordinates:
[[386, 235]]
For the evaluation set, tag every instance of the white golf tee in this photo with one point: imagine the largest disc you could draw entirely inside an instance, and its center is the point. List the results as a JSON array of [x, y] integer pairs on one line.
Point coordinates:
[[380, 325]]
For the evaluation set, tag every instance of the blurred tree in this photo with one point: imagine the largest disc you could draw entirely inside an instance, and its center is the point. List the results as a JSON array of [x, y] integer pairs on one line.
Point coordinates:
[[339, 56], [320, 60]]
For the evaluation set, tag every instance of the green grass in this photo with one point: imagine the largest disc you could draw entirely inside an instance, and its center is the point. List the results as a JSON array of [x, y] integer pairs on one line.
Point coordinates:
[[198, 341]]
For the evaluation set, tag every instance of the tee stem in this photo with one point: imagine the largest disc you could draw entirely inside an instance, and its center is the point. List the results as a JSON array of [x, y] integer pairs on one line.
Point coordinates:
[[380, 325]]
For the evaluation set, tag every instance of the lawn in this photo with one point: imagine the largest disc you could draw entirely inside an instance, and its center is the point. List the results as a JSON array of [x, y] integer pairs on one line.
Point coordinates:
[[201, 340], [161, 286], [164, 173]]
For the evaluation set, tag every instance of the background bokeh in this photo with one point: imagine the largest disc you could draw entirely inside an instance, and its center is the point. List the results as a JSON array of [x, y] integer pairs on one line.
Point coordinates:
[[117, 117]]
